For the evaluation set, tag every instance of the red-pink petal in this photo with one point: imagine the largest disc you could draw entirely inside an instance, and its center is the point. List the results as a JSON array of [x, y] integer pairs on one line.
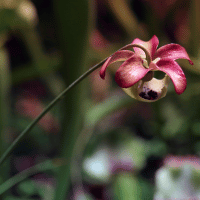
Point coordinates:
[[174, 71], [130, 72], [117, 56], [172, 51], [150, 45]]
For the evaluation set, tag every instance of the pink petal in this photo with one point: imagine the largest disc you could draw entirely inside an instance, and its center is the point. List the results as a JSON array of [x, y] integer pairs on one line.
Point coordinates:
[[174, 71], [117, 56], [172, 51], [150, 45], [130, 72]]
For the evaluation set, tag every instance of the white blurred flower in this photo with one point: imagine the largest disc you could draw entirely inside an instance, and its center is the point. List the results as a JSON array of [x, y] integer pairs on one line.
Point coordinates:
[[178, 179]]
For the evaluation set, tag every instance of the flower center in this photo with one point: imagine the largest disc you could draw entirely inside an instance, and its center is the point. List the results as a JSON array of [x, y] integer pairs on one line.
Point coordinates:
[[146, 90]]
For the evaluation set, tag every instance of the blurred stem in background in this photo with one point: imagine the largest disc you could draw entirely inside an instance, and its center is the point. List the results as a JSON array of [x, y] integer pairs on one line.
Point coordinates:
[[4, 109], [72, 21], [125, 16], [195, 26]]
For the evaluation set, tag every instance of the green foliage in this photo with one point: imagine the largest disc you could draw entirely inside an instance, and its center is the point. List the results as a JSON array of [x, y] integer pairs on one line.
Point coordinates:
[[54, 49], [127, 187]]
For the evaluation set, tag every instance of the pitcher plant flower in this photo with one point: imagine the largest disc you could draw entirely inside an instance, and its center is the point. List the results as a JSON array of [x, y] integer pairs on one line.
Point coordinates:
[[136, 74]]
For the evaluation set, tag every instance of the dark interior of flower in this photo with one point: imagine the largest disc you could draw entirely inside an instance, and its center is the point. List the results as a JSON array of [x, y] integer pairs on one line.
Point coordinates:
[[149, 95], [148, 76]]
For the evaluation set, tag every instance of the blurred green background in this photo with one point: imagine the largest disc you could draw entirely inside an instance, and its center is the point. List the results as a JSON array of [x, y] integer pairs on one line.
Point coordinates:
[[97, 143]]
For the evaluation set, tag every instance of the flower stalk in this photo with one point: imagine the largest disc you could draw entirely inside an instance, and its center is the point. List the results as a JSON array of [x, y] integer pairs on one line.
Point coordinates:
[[51, 105]]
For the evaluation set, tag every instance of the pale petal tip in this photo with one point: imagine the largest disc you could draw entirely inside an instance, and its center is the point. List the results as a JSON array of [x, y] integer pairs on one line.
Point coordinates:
[[181, 90], [155, 39]]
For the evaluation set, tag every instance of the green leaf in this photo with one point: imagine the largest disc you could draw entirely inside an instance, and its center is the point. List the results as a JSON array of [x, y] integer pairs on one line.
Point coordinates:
[[27, 187], [105, 108], [176, 123], [126, 187], [137, 150]]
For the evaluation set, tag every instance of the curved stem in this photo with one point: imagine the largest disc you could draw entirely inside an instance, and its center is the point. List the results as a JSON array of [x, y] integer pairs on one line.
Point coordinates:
[[41, 167], [57, 99], [148, 57]]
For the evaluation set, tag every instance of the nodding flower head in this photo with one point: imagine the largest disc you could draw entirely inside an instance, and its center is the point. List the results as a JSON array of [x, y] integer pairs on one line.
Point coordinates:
[[136, 74]]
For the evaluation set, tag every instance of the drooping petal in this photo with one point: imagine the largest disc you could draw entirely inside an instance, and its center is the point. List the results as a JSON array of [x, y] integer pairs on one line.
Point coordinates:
[[117, 56], [150, 91], [172, 51], [150, 45], [130, 72], [174, 71]]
